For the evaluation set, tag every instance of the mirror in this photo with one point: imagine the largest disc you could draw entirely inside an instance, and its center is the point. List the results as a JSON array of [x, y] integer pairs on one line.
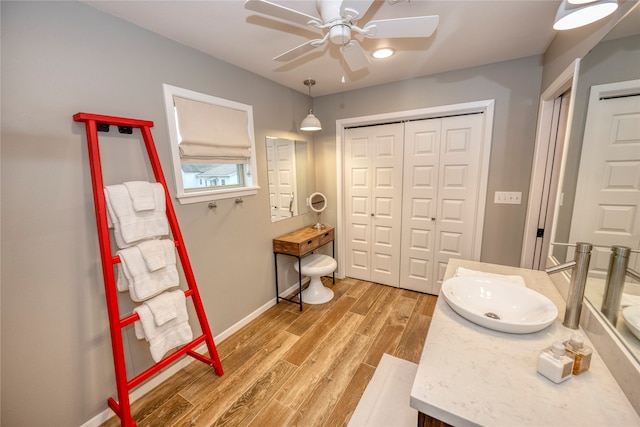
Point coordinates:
[[291, 175], [318, 203], [585, 213]]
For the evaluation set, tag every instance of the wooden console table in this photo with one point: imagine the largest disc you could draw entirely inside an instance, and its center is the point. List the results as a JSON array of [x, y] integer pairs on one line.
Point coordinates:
[[298, 244]]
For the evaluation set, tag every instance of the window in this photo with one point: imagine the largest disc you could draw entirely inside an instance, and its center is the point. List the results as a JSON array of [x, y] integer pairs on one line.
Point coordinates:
[[212, 146]]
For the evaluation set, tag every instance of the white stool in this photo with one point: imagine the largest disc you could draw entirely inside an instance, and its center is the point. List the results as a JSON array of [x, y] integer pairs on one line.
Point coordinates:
[[316, 266]]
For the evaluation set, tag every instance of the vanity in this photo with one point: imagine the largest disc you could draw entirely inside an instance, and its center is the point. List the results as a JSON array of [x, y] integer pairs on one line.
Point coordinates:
[[299, 243], [469, 375]]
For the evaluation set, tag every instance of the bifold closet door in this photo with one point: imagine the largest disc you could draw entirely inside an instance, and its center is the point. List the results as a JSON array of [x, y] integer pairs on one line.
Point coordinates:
[[373, 184], [440, 197], [419, 207]]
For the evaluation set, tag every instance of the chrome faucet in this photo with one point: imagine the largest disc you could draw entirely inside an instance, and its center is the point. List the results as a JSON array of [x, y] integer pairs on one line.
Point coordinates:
[[618, 269], [577, 284]]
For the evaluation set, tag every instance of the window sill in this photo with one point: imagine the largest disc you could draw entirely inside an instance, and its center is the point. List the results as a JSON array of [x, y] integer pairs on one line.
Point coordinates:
[[208, 196]]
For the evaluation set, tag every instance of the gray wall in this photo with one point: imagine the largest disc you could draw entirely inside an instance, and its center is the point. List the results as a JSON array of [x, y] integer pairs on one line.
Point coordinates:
[[59, 58], [515, 86]]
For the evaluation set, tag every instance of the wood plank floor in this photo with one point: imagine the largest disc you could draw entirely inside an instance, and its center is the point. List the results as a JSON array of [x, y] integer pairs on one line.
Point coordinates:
[[292, 368]]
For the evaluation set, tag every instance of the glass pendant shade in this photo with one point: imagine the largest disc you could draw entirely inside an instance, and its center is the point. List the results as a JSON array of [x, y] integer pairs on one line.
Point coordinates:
[[572, 16]]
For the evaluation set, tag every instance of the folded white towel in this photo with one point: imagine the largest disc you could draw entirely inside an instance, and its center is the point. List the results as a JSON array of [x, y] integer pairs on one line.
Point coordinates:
[[154, 253], [131, 226], [141, 194], [163, 308], [172, 334], [518, 280], [133, 274]]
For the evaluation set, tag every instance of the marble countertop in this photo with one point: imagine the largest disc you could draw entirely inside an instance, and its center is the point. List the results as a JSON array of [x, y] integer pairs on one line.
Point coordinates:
[[469, 375]]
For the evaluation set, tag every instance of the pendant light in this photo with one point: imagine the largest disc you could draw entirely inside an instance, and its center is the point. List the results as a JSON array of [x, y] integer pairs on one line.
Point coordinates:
[[311, 122], [577, 13]]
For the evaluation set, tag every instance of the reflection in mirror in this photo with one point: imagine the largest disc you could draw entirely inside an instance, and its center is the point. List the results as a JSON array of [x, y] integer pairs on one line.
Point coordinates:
[[290, 172], [599, 199]]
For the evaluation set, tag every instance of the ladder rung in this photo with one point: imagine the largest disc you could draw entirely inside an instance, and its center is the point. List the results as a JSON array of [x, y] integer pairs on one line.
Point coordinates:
[[111, 120], [133, 317], [116, 259], [167, 361]]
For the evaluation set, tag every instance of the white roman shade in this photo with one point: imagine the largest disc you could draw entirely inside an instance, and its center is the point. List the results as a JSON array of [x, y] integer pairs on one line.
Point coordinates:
[[212, 133]]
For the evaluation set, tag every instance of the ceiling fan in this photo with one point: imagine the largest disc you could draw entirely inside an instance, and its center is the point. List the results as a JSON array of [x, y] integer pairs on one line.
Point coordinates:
[[338, 20]]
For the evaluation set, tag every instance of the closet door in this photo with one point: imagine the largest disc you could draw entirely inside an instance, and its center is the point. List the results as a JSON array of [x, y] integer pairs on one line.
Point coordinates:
[[419, 204], [456, 219], [441, 183], [373, 181]]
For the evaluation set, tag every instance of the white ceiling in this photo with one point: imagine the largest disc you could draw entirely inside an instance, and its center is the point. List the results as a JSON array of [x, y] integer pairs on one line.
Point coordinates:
[[470, 33]]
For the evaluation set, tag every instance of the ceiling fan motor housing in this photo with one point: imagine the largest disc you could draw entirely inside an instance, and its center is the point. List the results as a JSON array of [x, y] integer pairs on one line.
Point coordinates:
[[340, 34]]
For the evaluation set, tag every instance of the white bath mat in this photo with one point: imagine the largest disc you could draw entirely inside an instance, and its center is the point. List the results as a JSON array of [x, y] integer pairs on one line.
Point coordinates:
[[385, 402]]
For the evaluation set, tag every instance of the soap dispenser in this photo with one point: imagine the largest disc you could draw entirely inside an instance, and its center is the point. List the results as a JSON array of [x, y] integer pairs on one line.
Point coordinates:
[[554, 363], [580, 353]]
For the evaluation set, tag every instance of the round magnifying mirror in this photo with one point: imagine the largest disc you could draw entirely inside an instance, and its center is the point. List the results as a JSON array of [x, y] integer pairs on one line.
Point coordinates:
[[318, 203]]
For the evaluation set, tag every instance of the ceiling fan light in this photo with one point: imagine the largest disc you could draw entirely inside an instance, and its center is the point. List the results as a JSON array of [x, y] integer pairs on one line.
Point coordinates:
[[383, 53], [310, 123], [572, 16]]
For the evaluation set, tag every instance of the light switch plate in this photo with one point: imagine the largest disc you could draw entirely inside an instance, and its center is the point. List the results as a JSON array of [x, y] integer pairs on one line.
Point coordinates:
[[508, 197]]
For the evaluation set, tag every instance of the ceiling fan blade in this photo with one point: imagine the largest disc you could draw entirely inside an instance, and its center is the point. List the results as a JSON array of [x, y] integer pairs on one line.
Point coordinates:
[[354, 55], [415, 26], [354, 9], [298, 50], [277, 11]]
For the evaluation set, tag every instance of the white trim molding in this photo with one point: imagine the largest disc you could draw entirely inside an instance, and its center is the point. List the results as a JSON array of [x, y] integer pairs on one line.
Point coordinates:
[[537, 192]]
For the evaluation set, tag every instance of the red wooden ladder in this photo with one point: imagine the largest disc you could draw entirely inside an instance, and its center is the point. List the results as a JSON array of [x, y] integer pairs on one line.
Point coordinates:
[[122, 408]]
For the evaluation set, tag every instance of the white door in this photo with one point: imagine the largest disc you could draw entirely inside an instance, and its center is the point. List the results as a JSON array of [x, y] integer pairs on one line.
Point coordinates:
[[419, 204], [373, 183], [607, 204], [440, 197]]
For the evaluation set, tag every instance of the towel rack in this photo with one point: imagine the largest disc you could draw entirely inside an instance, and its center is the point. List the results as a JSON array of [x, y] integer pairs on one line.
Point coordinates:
[[95, 123]]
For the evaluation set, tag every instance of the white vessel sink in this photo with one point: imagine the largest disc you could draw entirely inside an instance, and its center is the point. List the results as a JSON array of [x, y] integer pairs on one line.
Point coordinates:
[[631, 317], [499, 305]]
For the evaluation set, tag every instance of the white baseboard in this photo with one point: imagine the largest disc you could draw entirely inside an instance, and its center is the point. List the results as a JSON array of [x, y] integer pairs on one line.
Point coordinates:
[[180, 364]]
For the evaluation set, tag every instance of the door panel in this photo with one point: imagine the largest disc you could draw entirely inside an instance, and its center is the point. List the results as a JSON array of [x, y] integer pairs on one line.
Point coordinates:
[[420, 188], [440, 197], [373, 165], [458, 191]]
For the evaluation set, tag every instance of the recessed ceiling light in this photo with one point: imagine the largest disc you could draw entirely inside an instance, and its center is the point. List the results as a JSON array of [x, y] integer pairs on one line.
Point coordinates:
[[383, 53]]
